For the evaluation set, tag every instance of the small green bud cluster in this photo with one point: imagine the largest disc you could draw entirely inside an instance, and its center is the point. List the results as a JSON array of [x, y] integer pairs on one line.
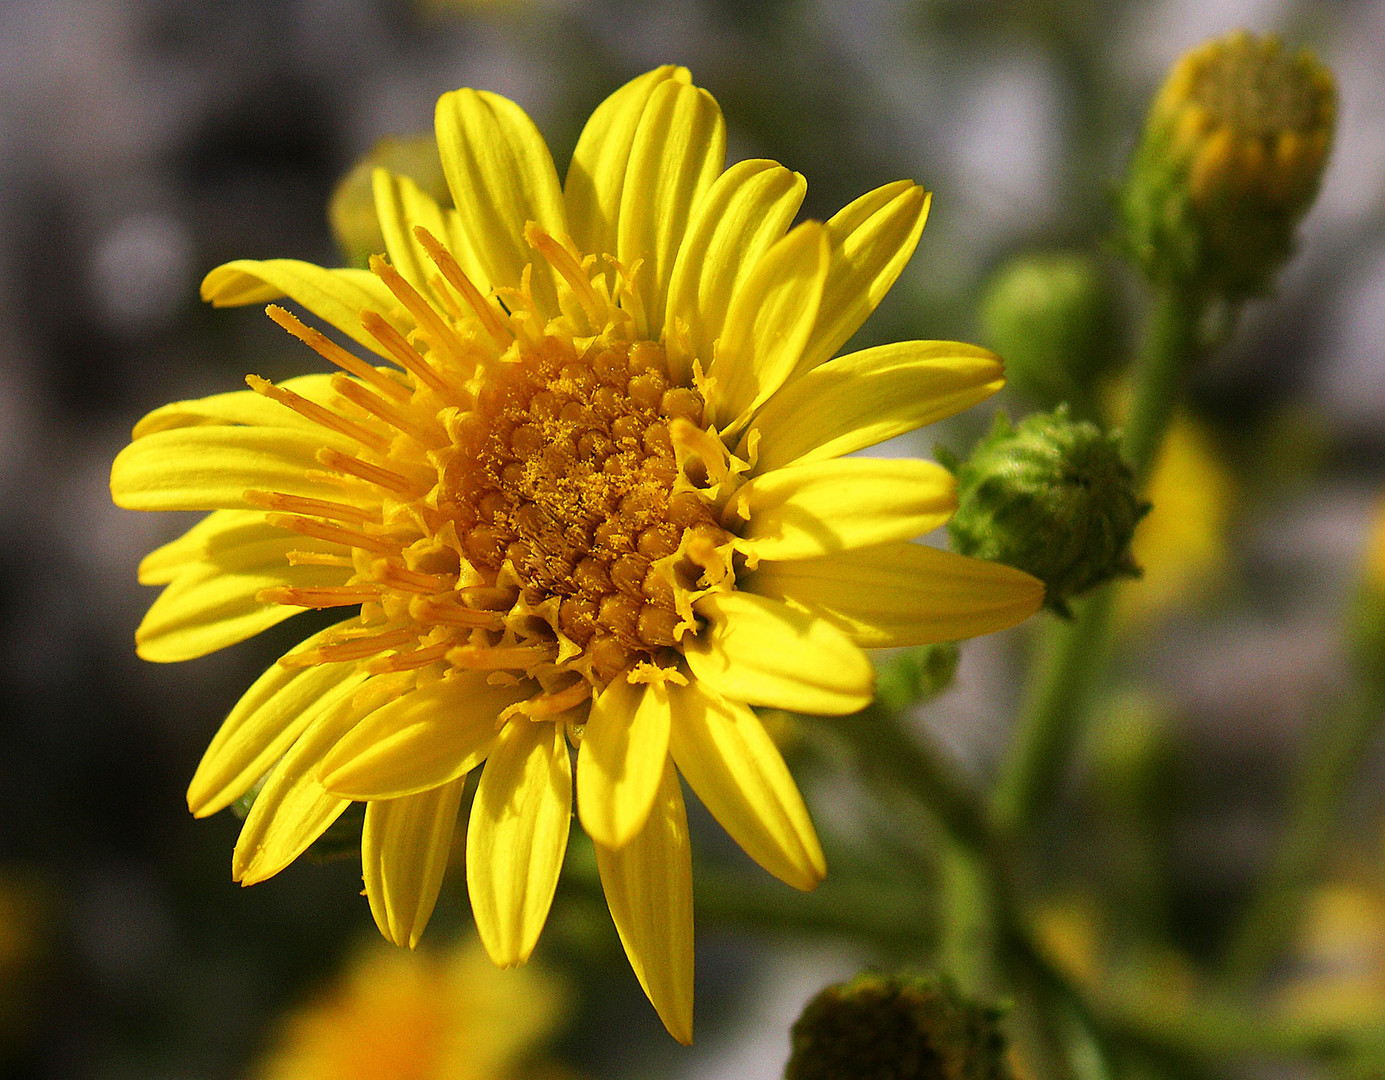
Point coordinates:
[[351, 209], [1232, 156], [896, 1027], [1051, 315], [1052, 497]]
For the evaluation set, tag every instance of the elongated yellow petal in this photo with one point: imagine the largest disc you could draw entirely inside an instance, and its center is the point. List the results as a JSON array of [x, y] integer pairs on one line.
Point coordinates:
[[240, 407], [428, 737], [401, 206], [648, 886], [728, 759], [903, 594], [262, 726], [768, 322], [864, 398], [211, 468], [292, 809], [679, 149], [747, 209], [763, 652], [404, 848], [502, 176], [621, 759], [596, 176], [518, 836], [337, 295], [810, 509], [216, 606], [219, 529], [872, 239]]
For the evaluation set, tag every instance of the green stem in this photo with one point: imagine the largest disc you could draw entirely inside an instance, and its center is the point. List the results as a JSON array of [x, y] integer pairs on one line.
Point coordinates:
[[1324, 780], [1052, 719]]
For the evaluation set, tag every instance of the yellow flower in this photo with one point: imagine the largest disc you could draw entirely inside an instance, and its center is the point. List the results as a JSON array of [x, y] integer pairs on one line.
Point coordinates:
[[414, 1016], [601, 501]]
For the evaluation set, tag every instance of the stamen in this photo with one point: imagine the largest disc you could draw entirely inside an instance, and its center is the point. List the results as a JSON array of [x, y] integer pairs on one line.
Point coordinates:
[[316, 413], [430, 436], [431, 610], [275, 500], [410, 661], [542, 706], [370, 473], [323, 530], [456, 277], [333, 353], [498, 658], [563, 261], [359, 648], [410, 359], [399, 577], [317, 558], [423, 312], [325, 596]]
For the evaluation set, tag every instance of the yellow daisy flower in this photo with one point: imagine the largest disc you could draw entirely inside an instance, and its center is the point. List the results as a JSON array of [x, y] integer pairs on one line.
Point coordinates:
[[595, 497]]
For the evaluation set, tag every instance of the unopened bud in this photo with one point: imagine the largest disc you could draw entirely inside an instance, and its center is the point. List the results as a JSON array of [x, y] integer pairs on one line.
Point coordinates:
[[1052, 317], [1232, 156], [896, 1027], [1052, 497]]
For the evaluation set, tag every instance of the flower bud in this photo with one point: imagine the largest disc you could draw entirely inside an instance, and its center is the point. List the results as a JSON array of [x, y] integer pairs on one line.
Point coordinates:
[[1052, 497], [891, 1025], [1231, 157], [351, 209], [914, 676], [1051, 315]]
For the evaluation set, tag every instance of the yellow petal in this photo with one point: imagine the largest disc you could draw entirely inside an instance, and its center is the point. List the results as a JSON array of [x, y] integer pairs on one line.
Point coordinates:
[[728, 759], [621, 759], [215, 605], [219, 529], [648, 886], [404, 848], [502, 176], [903, 594], [679, 148], [814, 508], [518, 836], [430, 736], [872, 239], [401, 205], [748, 208], [211, 468], [596, 175], [337, 295], [264, 723], [866, 397], [768, 322], [763, 652], [240, 407], [292, 809]]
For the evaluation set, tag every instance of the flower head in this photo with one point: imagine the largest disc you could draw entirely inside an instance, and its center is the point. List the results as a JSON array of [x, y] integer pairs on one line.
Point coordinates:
[[589, 492]]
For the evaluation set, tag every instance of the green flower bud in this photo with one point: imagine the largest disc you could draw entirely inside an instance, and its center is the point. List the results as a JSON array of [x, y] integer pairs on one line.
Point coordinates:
[[1231, 157], [1052, 316], [916, 675], [896, 1027], [351, 209], [1052, 497]]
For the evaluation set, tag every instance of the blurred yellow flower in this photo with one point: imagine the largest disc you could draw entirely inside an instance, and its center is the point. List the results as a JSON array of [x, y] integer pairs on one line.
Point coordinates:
[[1340, 958], [601, 501], [397, 1015], [1181, 545]]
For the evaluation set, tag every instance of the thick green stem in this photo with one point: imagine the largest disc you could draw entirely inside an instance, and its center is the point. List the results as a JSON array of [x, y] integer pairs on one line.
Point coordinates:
[[1052, 720], [1332, 761]]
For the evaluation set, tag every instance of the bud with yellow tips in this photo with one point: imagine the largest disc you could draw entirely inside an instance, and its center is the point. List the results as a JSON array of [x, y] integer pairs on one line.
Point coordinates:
[[1231, 158]]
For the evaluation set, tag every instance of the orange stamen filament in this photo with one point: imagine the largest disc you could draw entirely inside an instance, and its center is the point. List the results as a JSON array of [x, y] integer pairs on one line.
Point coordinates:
[[356, 649], [409, 661], [300, 504], [399, 577], [333, 353], [409, 358], [423, 312], [497, 658], [456, 277], [371, 474], [563, 261], [310, 410], [338, 534], [545, 705], [325, 596], [429, 609], [357, 394]]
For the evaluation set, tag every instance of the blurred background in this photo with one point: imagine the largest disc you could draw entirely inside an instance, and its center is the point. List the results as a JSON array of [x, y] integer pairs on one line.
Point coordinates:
[[143, 142]]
